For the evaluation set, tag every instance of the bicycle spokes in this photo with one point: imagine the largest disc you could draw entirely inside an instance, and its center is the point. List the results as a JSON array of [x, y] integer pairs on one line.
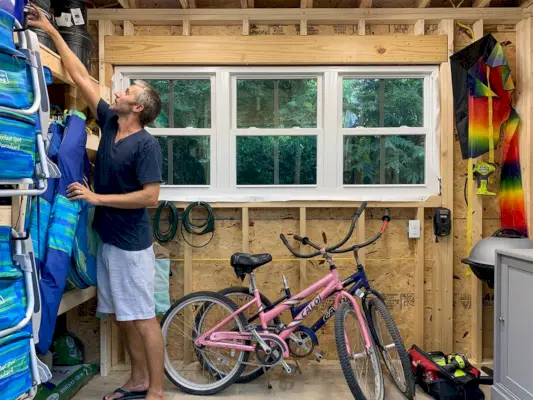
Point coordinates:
[[194, 366], [360, 357]]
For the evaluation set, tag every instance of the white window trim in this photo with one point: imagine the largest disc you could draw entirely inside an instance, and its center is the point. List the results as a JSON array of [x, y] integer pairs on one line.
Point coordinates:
[[329, 185]]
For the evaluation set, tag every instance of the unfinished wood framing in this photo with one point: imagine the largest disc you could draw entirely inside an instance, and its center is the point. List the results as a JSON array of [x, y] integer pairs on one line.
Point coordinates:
[[360, 235], [524, 108], [129, 29], [420, 28], [245, 230], [274, 50], [429, 203], [481, 3], [419, 281], [361, 27], [303, 262], [443, 273], [105, 29], [320, 16], [186, 27], [475, 236], [423, 3], [303, 27], [440, 301]]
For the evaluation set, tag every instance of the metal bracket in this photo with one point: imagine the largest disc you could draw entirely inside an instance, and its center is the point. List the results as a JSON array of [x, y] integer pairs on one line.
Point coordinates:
[[24, 261]]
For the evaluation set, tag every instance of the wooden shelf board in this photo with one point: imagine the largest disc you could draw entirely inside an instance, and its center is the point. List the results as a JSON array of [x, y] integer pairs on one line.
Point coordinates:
[[431, 202], [53, 61], [74, 298]]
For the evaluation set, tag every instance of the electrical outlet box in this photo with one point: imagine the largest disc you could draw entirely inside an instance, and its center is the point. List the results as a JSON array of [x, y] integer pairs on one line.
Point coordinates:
[[414, 229]]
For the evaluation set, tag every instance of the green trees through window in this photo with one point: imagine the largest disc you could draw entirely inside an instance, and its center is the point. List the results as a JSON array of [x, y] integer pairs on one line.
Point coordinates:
[[270, 157]]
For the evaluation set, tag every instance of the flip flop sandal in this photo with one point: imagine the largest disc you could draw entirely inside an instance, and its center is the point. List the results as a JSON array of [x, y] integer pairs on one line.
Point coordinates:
[[129, 395]]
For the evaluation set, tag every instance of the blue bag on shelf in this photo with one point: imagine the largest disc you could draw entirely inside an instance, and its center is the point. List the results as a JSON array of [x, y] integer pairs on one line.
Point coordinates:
[[15, 365], [14, 8], [17, 145]]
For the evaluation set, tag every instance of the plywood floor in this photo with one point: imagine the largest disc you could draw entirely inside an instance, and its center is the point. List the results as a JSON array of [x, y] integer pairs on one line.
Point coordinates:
[[317, 382]]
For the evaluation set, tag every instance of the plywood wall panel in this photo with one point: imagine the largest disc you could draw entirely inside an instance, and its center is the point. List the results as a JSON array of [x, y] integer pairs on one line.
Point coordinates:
[[390, 262]]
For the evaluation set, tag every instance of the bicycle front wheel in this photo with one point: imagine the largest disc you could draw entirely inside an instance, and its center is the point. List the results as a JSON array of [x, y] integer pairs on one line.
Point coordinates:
[[359, 362], [195, 370], [391, 345]]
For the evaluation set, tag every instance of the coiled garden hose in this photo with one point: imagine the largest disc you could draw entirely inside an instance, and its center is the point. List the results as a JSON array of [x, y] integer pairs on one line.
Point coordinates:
[[208, 226], [173, 220]]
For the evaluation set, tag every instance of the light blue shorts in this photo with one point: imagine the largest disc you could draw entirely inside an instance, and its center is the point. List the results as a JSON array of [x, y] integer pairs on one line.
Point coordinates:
[[125, 282]]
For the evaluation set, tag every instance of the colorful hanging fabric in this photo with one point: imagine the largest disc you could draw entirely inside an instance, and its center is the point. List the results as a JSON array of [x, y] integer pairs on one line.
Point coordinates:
[[482, 90], [511, 194]]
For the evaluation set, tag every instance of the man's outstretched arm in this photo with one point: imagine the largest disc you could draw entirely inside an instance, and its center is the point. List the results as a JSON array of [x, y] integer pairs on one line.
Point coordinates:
[[71, 62]]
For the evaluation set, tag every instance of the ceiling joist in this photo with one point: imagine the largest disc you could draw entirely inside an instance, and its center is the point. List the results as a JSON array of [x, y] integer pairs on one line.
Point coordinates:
[[325, 16], [423, 3]]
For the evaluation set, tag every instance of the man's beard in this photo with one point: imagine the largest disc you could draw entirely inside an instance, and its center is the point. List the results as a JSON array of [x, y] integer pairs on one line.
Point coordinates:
[[121, 109]]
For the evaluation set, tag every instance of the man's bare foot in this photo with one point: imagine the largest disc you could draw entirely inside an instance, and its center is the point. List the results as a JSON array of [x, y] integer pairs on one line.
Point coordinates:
[[129, 386], [153, 395]]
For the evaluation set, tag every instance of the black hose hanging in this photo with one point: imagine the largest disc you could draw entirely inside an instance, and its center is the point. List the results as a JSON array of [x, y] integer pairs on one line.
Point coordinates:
[[173, 220], [208, 226]]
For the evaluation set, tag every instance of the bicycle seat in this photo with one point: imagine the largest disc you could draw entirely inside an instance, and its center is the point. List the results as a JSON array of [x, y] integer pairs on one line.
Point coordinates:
[[244, 263]]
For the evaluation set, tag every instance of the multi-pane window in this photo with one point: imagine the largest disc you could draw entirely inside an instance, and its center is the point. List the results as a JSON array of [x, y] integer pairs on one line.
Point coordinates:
[[381, 154], [186, 120], [276, 132], [306, 133]]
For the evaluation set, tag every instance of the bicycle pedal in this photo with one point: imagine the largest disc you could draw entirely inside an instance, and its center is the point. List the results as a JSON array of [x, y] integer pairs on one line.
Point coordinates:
[[319, 357], [287, 368]]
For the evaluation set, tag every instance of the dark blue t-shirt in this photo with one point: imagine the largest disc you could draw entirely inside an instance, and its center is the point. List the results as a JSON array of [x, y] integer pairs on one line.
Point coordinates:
[[122, 168]]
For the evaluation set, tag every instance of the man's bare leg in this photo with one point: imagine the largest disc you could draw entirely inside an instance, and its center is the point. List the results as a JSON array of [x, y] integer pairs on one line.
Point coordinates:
[[150, 332], [139, 379]]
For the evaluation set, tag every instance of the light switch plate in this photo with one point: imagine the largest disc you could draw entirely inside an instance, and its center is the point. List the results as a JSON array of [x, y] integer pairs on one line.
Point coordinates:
[[414, 229]]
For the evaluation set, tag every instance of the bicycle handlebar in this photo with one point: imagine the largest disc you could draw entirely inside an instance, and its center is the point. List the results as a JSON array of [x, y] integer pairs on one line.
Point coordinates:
[[333, 249]]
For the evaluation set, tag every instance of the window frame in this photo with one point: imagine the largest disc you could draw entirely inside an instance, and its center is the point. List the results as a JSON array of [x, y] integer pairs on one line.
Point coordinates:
[[424, 130], [330, 183]]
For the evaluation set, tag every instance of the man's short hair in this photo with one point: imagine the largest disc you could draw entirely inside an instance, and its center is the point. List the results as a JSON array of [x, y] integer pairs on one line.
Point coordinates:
[[151, 102]]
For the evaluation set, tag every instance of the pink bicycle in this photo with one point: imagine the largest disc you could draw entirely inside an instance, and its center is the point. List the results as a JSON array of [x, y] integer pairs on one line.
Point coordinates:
[[215, 340]]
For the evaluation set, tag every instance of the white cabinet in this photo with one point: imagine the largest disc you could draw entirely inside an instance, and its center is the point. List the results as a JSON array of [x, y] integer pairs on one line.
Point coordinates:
[[513, 325]]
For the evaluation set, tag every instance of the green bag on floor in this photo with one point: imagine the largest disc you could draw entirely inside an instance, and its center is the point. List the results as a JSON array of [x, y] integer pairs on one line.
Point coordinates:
[[162, 279], [66, 382]]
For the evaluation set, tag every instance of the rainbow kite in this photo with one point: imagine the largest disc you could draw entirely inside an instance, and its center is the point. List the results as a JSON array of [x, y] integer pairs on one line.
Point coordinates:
[[482, 90]]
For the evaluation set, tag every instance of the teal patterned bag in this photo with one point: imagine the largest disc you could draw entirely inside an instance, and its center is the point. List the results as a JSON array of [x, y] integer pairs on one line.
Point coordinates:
[[15, 367], [8, 269], [17, 145], [16, 90]]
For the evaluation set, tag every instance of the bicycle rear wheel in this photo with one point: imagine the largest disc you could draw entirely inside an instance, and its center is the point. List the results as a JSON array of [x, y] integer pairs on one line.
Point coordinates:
[[391, 346], [221, 367], [360, 365]]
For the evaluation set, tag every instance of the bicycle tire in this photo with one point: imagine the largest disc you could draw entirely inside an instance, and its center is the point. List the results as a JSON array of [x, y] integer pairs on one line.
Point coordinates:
[[248, 377], [241, 323], [345, 358], [376, 304]]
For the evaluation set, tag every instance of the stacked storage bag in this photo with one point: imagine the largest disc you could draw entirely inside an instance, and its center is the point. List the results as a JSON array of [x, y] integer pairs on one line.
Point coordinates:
[[17, 131], [17, 161], [15, 361]]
